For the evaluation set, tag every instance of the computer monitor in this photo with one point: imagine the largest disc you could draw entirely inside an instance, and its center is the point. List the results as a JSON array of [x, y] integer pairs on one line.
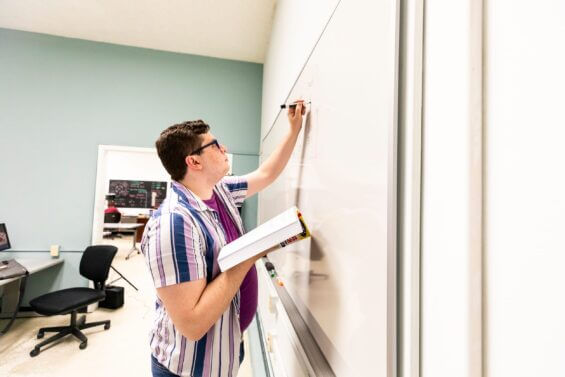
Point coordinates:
[[4, 240]]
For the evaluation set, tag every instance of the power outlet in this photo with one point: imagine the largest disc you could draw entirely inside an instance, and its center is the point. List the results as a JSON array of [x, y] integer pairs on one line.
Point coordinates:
[[54, 250]]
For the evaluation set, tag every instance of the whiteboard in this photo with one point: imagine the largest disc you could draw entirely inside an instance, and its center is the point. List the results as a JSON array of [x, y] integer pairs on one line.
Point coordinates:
[[342, 176]]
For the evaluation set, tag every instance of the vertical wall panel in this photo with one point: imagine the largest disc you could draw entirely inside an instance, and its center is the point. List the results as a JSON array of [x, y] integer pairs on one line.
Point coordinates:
[[525, 186], [446, 160]]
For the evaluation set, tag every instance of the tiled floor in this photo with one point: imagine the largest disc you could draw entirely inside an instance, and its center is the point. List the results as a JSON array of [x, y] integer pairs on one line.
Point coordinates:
[[120, 351]]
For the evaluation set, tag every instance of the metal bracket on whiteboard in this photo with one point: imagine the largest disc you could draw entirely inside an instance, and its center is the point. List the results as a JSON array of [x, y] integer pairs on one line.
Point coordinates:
[[314, 354]]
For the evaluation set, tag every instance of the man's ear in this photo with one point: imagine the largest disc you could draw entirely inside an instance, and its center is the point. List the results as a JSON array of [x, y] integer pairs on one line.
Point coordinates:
[[193, 162]]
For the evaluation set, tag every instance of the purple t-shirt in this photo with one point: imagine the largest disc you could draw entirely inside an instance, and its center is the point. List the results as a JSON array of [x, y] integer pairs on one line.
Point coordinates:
[[248, 288]]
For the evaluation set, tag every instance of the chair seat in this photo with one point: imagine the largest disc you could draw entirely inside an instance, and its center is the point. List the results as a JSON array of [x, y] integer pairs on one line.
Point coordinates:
[[66, 300]]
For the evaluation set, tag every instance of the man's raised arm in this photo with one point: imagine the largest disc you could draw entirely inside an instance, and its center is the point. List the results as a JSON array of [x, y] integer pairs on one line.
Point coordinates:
[[274, 165]]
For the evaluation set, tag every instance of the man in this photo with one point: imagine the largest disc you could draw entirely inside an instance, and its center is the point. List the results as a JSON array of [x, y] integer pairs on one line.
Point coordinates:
[[111, 204], [201, 312]]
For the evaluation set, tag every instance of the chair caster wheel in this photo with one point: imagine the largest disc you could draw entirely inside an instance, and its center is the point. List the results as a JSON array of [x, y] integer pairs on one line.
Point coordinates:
[[40, 335], [34, 352], [106, 326], [82, 345]]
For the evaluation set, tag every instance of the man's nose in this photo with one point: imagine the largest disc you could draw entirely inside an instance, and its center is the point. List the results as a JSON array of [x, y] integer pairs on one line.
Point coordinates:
[[224, 148]]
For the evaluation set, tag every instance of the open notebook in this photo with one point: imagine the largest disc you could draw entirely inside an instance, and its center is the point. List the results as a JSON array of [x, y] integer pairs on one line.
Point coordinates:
[[284, 229]]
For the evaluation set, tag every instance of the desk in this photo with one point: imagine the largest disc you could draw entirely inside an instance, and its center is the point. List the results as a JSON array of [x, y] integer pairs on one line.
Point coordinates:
[[140, 220], [10, 288], [32, 266], [125, 226]]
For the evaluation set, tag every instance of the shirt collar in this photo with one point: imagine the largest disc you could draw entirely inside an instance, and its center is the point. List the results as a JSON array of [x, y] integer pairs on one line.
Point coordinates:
[[191, 198]]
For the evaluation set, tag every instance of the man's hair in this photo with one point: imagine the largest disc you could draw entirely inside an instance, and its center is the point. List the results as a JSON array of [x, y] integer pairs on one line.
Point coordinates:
[[176, 142]]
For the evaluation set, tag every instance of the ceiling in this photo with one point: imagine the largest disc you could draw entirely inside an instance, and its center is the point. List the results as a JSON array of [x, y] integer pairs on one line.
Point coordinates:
[[228, 29]]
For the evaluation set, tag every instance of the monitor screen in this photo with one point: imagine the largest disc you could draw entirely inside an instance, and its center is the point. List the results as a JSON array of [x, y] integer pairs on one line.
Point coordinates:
[[4, 240]]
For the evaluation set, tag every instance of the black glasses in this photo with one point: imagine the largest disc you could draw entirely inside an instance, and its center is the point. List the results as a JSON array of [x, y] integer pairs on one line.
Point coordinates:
[[213, 142]]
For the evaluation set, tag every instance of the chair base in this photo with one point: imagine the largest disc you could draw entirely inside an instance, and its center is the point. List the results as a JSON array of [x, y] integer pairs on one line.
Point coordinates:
[[62, 331]]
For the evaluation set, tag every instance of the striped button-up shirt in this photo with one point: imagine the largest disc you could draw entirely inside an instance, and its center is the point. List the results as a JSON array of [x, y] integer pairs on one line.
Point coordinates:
[[181, 243]]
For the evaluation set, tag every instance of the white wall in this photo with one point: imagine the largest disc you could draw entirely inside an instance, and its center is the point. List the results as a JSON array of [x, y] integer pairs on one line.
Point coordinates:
[[297, 26], [523, 332], [525, 188]]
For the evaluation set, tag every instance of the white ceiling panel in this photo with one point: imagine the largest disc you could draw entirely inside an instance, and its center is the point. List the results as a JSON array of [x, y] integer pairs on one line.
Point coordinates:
[[229, 29]]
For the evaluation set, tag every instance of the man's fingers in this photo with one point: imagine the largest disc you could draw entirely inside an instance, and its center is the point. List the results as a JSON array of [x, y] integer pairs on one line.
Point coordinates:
[[300, 106], [291, 111], [299, 109]]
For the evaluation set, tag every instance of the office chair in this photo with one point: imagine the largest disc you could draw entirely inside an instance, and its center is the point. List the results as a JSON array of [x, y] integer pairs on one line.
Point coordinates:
[[94, 265], [113, 217]]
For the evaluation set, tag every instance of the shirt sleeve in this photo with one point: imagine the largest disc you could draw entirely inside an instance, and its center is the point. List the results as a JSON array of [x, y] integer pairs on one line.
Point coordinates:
[[237, 188], [175, 251]]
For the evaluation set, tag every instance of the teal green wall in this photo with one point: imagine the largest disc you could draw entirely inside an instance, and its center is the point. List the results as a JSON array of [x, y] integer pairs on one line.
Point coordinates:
[[60, 98], [242, 165]]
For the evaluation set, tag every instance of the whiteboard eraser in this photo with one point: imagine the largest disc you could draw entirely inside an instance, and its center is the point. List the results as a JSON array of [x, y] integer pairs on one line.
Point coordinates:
[[54, 250]]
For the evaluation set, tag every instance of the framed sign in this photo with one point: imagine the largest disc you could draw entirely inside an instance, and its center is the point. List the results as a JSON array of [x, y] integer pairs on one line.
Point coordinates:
[[4, 240]]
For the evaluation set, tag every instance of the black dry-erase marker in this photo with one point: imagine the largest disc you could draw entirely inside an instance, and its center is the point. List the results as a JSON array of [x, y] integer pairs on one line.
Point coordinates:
[[292, 105]]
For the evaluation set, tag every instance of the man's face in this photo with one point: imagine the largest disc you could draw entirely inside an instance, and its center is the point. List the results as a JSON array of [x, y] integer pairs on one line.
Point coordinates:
[[213, 157]]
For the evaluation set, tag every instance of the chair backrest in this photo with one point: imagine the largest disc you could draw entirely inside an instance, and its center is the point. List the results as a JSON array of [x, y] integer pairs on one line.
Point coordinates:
[[95, 263], [112, 217]]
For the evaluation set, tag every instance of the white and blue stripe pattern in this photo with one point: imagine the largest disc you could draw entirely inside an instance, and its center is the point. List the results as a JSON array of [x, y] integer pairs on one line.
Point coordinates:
[[181, 243]]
